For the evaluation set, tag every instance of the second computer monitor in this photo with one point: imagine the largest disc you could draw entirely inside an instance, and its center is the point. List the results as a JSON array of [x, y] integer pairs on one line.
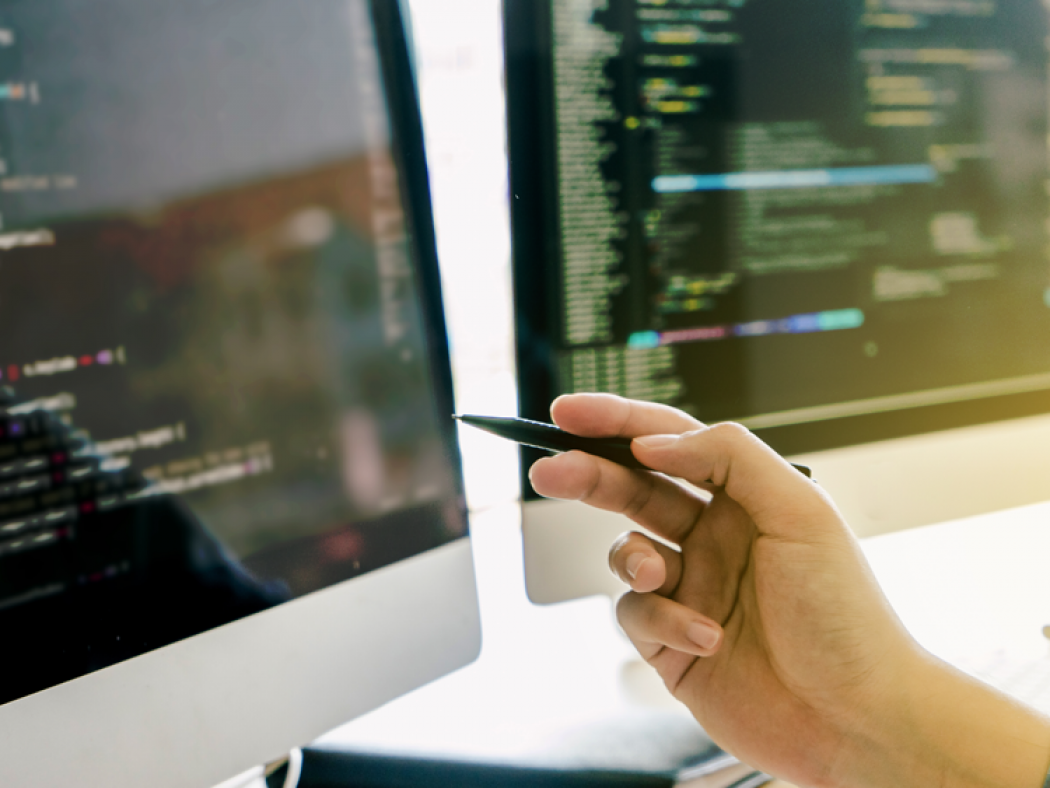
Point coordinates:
[[826, 220]]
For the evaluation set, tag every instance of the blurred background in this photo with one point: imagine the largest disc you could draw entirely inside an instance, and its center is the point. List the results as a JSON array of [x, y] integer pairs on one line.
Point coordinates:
[[460, 62]]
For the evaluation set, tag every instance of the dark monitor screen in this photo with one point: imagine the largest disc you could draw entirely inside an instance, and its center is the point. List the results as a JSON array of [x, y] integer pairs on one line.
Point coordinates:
[[219, 314], [826, 219]]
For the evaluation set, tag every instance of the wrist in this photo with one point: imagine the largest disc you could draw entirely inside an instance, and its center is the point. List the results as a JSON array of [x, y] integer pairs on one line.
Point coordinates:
[[942, 727]]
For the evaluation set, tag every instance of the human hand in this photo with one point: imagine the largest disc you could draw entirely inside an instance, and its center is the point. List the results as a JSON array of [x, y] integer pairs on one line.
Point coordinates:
[[768, 624]]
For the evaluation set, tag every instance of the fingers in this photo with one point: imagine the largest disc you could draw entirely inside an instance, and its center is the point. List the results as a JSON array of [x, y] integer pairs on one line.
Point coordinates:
[[645, 565], [608, 416], [654, 623], [779, 499], [653, 501]]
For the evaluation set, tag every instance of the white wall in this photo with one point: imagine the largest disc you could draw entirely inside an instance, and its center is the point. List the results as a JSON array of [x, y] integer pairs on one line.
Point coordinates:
[[460, 59]]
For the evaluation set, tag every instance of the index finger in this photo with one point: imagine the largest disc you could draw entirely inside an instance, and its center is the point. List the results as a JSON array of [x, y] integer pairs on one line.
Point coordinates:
[[653, 501], [780, 500], [609, 416]]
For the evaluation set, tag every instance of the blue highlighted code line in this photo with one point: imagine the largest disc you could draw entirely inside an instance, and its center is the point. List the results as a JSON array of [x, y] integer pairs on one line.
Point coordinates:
[[797, 179], [836, 320]]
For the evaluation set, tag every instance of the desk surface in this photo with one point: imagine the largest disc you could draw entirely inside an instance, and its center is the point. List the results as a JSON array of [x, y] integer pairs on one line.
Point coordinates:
[[543, 668]]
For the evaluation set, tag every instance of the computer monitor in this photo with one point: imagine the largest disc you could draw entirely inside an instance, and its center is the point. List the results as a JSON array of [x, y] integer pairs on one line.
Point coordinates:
[[231, 509], [826, 220]]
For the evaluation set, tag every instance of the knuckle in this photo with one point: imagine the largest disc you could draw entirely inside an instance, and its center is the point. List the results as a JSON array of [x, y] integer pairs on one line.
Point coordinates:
[[653, 618], [639, 499], [732, 432], [627, 418], [593, 482]]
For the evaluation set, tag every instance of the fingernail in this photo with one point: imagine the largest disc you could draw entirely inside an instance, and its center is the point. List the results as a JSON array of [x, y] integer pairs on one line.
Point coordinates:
[[703, 635], [634, 563], [658, 441]]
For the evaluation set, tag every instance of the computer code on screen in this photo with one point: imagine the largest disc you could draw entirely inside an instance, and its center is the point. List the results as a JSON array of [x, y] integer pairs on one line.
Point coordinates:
[[781, 212], [208, 282]]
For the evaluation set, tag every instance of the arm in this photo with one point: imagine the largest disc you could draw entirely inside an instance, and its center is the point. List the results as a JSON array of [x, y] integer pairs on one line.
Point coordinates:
[[767, 622]]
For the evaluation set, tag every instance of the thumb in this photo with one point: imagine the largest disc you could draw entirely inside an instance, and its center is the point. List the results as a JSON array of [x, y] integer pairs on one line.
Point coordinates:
[[779, 499]]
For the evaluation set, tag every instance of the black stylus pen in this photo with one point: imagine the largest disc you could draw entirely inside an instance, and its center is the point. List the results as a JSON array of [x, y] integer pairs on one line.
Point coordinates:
[[550, 438]]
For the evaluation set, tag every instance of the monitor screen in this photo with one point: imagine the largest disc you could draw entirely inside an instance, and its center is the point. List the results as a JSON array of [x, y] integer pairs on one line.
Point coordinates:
[[824, 219], [219, 318]]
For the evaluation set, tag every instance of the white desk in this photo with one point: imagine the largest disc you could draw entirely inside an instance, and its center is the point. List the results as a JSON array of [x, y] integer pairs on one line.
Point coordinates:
[[543, 670], [971, 586]]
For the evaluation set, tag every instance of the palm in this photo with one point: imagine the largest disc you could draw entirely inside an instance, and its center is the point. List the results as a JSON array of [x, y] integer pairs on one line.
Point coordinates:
[[760, 589]]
